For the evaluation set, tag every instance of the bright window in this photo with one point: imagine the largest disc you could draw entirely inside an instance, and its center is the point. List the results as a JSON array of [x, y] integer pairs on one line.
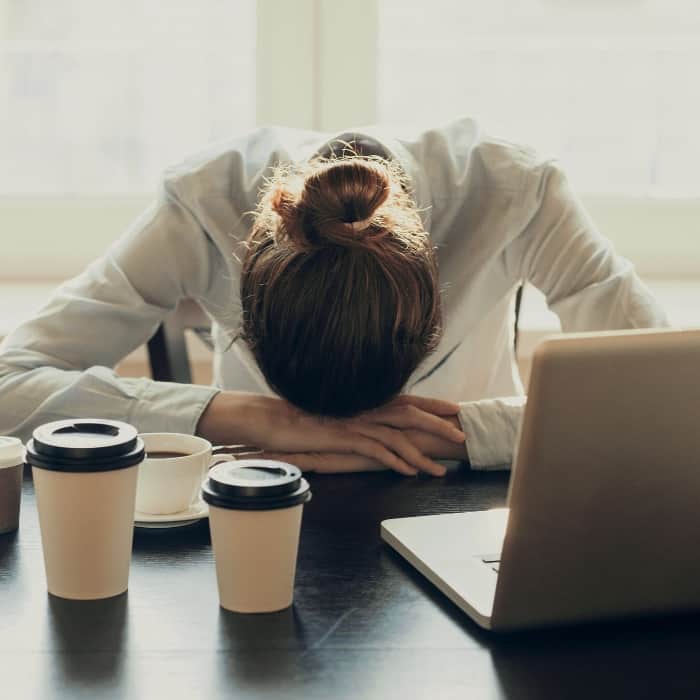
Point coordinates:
[[97, 99], [100, 97], [608, 86]]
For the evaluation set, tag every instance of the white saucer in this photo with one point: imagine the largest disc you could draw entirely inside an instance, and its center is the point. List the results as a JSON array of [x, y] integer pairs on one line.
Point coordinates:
[[193, 514]]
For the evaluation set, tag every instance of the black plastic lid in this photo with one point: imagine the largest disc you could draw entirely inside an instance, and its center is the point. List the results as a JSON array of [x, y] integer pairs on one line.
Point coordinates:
[[85, 445], [255, 484]]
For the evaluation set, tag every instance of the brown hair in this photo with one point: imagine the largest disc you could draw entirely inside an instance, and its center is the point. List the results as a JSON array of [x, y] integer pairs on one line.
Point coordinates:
[[338, 316]]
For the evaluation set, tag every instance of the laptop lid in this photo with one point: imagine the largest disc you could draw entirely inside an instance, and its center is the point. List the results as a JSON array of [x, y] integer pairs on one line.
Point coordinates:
[[605, 491]]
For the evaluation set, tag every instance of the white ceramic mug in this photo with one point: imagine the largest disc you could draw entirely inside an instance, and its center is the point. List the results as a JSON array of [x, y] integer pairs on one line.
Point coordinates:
[[171, 485]]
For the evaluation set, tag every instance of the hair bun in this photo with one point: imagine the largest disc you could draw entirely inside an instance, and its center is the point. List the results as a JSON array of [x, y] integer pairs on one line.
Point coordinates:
[[337, 204], [356, 201]]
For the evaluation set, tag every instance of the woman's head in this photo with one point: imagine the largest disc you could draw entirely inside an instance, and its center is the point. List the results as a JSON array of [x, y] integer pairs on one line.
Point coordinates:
[[339, 285]]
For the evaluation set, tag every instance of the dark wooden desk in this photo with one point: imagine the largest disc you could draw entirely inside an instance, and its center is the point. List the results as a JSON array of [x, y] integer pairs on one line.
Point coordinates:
[[364, 624]]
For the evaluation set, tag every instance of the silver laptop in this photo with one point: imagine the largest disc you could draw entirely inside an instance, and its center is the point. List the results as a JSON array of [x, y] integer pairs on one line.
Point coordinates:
[[604, 499]]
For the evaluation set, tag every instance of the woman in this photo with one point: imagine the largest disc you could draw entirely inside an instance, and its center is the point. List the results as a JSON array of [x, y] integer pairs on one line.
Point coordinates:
[[369, 285]]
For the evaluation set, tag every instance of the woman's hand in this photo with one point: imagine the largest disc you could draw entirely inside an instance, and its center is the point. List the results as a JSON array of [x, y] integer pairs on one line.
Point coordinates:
[[338, 463], [377, 436]]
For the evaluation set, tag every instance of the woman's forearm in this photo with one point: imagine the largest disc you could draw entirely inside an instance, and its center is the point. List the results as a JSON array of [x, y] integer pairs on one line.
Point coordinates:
[[276, 427], [231, 418]]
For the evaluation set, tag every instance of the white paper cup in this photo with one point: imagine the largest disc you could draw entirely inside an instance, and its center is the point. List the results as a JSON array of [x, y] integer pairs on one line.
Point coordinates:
[[256, 557], [85, 481], [171, 485], [87, 526], [255, 511]]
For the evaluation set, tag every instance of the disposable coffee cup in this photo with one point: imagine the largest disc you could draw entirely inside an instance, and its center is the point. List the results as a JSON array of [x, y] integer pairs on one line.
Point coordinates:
[[84, 475], [11, 467], [255, 509]]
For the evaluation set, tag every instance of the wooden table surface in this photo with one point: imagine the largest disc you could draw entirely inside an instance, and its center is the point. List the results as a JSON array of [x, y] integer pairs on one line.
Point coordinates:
[[364, 623]]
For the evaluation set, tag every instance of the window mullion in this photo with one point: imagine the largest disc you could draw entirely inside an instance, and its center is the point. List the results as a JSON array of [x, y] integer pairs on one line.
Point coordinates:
[[348, 59], [285, 90]]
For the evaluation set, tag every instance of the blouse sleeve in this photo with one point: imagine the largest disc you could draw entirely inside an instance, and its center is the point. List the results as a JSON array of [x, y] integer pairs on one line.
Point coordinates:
[[586, 283], [59, 364]]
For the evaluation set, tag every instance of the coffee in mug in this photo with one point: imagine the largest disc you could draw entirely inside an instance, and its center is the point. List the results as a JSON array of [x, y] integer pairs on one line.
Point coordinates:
[[85, 474], [255, 509], [11, 468]]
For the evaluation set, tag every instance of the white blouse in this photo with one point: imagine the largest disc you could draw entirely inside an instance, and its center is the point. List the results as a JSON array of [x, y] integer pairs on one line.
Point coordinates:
[[497, 214]]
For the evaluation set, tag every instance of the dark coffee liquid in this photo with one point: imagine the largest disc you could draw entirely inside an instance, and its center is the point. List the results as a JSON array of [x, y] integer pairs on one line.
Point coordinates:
[[165, 455]]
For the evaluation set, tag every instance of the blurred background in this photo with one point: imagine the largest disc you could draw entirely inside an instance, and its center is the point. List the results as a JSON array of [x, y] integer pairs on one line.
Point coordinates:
[[99, 98]]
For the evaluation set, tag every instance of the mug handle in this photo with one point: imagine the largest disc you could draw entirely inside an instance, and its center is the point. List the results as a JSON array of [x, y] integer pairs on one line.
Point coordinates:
[[227, 453]]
